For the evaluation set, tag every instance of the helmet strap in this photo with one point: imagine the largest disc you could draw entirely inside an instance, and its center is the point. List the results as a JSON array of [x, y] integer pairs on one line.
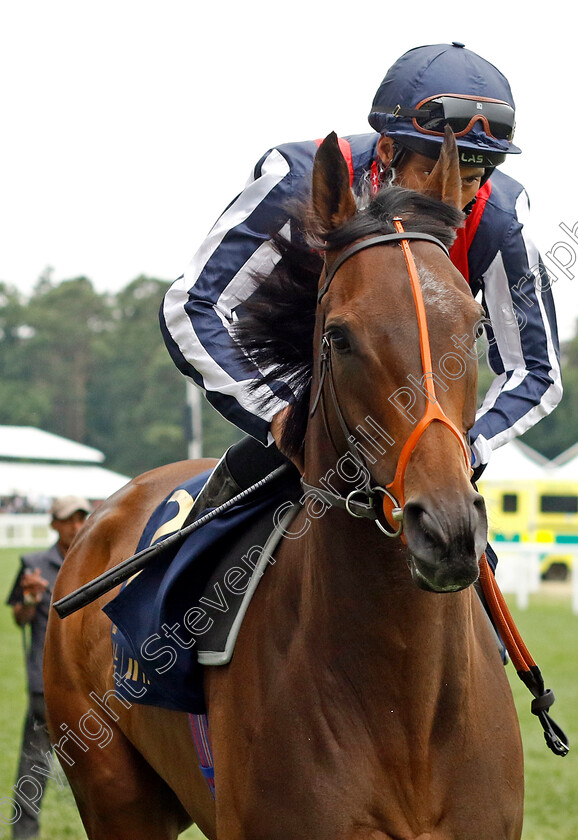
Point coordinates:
[[387, 172]]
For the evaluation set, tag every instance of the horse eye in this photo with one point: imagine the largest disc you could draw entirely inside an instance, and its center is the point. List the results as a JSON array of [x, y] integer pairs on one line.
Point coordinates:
[[339, 340], [479, 331]]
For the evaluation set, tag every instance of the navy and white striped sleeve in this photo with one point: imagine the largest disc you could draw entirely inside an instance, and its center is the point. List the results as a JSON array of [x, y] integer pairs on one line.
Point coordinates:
[[523, 341], [199, 309]]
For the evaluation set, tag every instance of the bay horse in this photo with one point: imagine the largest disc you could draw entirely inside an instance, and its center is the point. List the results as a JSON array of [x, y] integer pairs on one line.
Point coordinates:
[[366, 698]]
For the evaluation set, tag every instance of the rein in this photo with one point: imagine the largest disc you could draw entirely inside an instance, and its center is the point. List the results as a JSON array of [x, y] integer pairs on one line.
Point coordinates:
[[526, 668], [392, 495]]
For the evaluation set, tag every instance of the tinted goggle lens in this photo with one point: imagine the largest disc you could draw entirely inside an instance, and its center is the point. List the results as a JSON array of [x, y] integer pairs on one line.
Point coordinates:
[[461, 114]]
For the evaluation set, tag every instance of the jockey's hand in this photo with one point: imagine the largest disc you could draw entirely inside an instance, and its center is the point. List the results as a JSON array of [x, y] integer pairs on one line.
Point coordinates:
[[277, 425]]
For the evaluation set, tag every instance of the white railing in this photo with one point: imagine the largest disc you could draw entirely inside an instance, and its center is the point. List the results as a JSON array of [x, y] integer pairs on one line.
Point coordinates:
[[26, 530], [518, 571]]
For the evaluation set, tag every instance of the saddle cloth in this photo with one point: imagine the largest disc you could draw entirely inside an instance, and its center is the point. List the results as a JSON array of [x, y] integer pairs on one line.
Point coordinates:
[[185, 609]]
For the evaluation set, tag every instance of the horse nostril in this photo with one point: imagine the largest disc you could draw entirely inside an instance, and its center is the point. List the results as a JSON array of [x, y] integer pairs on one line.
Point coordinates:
[[421, 528], [431, 530], [479, 502]]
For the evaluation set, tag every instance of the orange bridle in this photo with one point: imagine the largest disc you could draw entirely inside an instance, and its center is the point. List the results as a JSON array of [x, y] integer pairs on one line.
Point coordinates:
[[433, 410]]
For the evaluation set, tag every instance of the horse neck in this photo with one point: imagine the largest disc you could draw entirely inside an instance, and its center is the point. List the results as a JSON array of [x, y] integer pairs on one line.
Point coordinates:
[[352, 569], [375, 640], [363, 610]]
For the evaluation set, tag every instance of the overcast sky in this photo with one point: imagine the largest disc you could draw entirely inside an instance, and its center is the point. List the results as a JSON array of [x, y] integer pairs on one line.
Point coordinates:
[[128, 126]]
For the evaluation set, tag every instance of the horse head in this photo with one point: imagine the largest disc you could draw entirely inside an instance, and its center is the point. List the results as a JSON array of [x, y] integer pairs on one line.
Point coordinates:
[[378, 366], [337, 322]]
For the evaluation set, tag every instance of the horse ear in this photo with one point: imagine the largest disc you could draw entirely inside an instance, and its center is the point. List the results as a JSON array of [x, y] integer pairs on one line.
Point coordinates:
[[445, 182], [333, 201]]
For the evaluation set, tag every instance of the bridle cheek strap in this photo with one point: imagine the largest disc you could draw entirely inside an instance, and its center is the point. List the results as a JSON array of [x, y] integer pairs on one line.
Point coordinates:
[[433, 409]]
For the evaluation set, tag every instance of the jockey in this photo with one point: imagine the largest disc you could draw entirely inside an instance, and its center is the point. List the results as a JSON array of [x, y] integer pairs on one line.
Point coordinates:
[[426, 89]]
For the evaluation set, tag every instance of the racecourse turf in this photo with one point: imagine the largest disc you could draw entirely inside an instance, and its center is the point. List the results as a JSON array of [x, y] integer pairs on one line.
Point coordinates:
[[548, 627]]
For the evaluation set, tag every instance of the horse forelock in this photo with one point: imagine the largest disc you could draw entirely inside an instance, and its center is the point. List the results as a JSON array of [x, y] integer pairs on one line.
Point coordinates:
[[276, 326], [420, 213]]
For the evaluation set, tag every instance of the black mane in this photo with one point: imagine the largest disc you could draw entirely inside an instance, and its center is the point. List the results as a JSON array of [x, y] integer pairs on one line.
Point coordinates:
[[276, 327]]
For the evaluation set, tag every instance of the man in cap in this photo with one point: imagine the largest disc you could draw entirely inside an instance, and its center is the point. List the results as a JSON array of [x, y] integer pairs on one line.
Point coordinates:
[[30, 602], [427, 89]]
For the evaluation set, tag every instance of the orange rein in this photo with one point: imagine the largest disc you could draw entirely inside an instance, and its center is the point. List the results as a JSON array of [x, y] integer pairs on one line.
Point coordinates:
[[519, 653], [527, 669], [433, 410]]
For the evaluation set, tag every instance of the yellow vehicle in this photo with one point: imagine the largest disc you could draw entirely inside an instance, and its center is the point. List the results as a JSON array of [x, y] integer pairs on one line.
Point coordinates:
[[543, 510]]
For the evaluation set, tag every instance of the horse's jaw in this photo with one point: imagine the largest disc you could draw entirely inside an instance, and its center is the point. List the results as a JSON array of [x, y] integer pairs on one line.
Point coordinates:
[[436, 583]]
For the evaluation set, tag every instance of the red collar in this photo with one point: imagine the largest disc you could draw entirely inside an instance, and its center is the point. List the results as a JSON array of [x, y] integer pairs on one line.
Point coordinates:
[[465, 234]]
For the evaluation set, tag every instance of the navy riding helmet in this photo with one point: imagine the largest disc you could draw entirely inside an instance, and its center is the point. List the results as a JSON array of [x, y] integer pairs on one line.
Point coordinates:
[[433, 86]]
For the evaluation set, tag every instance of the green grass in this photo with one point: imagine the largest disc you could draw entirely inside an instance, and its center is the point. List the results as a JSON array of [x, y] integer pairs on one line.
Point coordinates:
[[550, 631], [548, 628]]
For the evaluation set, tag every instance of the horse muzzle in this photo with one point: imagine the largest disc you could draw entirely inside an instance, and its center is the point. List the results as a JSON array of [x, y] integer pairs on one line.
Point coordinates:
[[445, 542]]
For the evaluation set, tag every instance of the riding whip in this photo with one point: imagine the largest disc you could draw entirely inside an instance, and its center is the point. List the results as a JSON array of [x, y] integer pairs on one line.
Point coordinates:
[[92, 590]]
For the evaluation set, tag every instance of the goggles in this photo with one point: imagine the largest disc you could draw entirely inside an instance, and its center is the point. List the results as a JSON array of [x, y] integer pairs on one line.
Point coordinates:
[[461, 113]]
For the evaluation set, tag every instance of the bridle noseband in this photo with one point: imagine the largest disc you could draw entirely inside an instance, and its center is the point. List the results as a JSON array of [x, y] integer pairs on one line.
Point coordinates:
[[361, 502]]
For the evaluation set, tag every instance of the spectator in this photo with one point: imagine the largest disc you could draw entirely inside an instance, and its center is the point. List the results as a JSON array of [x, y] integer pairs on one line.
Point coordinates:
[[30, 602]]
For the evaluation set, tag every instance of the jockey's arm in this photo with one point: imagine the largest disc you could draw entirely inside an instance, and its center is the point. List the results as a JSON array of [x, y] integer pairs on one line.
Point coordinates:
[[523, 343], [200, 308]]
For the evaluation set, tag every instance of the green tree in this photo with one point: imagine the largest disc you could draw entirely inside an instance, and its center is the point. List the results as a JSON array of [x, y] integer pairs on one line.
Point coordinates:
[[137, 410], [218, 434], [64, 322], [20, 403], [94, 368], [45, 355], [557, 432], [137, 397]]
